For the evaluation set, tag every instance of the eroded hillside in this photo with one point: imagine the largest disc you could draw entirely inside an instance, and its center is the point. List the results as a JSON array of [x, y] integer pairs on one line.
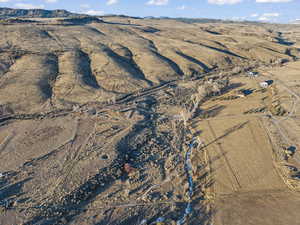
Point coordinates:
[[83, 60]]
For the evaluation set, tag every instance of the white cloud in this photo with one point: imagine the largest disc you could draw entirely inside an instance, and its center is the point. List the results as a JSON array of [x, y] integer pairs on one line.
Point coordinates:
[[112, 2], [268, 16], [85, 6], [2, 1], [183, 7], [28, 6], [94, 12], [237, 18], [223, 2], [271, 14], [272, 1], [263, 18], [158, 2], [254, 15], [51, 1]]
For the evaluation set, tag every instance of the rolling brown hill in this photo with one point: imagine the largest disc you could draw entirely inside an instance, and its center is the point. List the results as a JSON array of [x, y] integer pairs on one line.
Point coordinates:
[[84, 59]]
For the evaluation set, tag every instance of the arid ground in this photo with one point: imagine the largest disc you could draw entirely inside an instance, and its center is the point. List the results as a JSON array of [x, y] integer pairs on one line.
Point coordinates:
[[120, 121]]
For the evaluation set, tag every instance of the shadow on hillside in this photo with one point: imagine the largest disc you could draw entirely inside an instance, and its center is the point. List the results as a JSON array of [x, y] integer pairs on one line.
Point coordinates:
[[10, 192], [210, 112]]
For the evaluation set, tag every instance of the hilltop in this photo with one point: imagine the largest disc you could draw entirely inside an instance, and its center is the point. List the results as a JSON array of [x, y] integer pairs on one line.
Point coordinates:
[[34, 13]]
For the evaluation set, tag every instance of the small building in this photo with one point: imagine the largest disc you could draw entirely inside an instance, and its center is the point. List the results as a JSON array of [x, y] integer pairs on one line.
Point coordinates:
[[264, 84]]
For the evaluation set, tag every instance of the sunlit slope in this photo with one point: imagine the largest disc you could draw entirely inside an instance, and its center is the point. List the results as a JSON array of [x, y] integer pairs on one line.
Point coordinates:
[[78, 61]]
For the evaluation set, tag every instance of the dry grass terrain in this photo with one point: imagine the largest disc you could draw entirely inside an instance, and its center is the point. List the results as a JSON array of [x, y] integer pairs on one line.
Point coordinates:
[[119, 120]]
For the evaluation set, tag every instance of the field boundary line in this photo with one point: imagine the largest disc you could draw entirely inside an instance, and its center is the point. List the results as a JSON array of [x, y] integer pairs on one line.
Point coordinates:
[[226, 159]]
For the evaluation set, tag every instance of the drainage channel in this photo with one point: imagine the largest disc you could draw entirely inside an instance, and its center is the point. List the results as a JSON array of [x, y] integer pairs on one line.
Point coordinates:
[[189, 172]]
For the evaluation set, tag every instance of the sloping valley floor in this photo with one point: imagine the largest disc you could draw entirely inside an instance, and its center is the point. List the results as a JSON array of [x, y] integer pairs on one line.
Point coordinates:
[[101, 123]]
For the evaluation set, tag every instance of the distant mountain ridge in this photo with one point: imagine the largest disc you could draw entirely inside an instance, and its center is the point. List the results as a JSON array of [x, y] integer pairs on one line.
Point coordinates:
[[37, 13], [6, 13]]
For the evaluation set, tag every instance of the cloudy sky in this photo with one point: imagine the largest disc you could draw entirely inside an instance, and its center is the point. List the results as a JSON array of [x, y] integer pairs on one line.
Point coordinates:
[[283, 11]]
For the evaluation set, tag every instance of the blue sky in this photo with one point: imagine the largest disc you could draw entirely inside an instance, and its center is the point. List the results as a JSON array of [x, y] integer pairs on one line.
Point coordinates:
[[283, 11]]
